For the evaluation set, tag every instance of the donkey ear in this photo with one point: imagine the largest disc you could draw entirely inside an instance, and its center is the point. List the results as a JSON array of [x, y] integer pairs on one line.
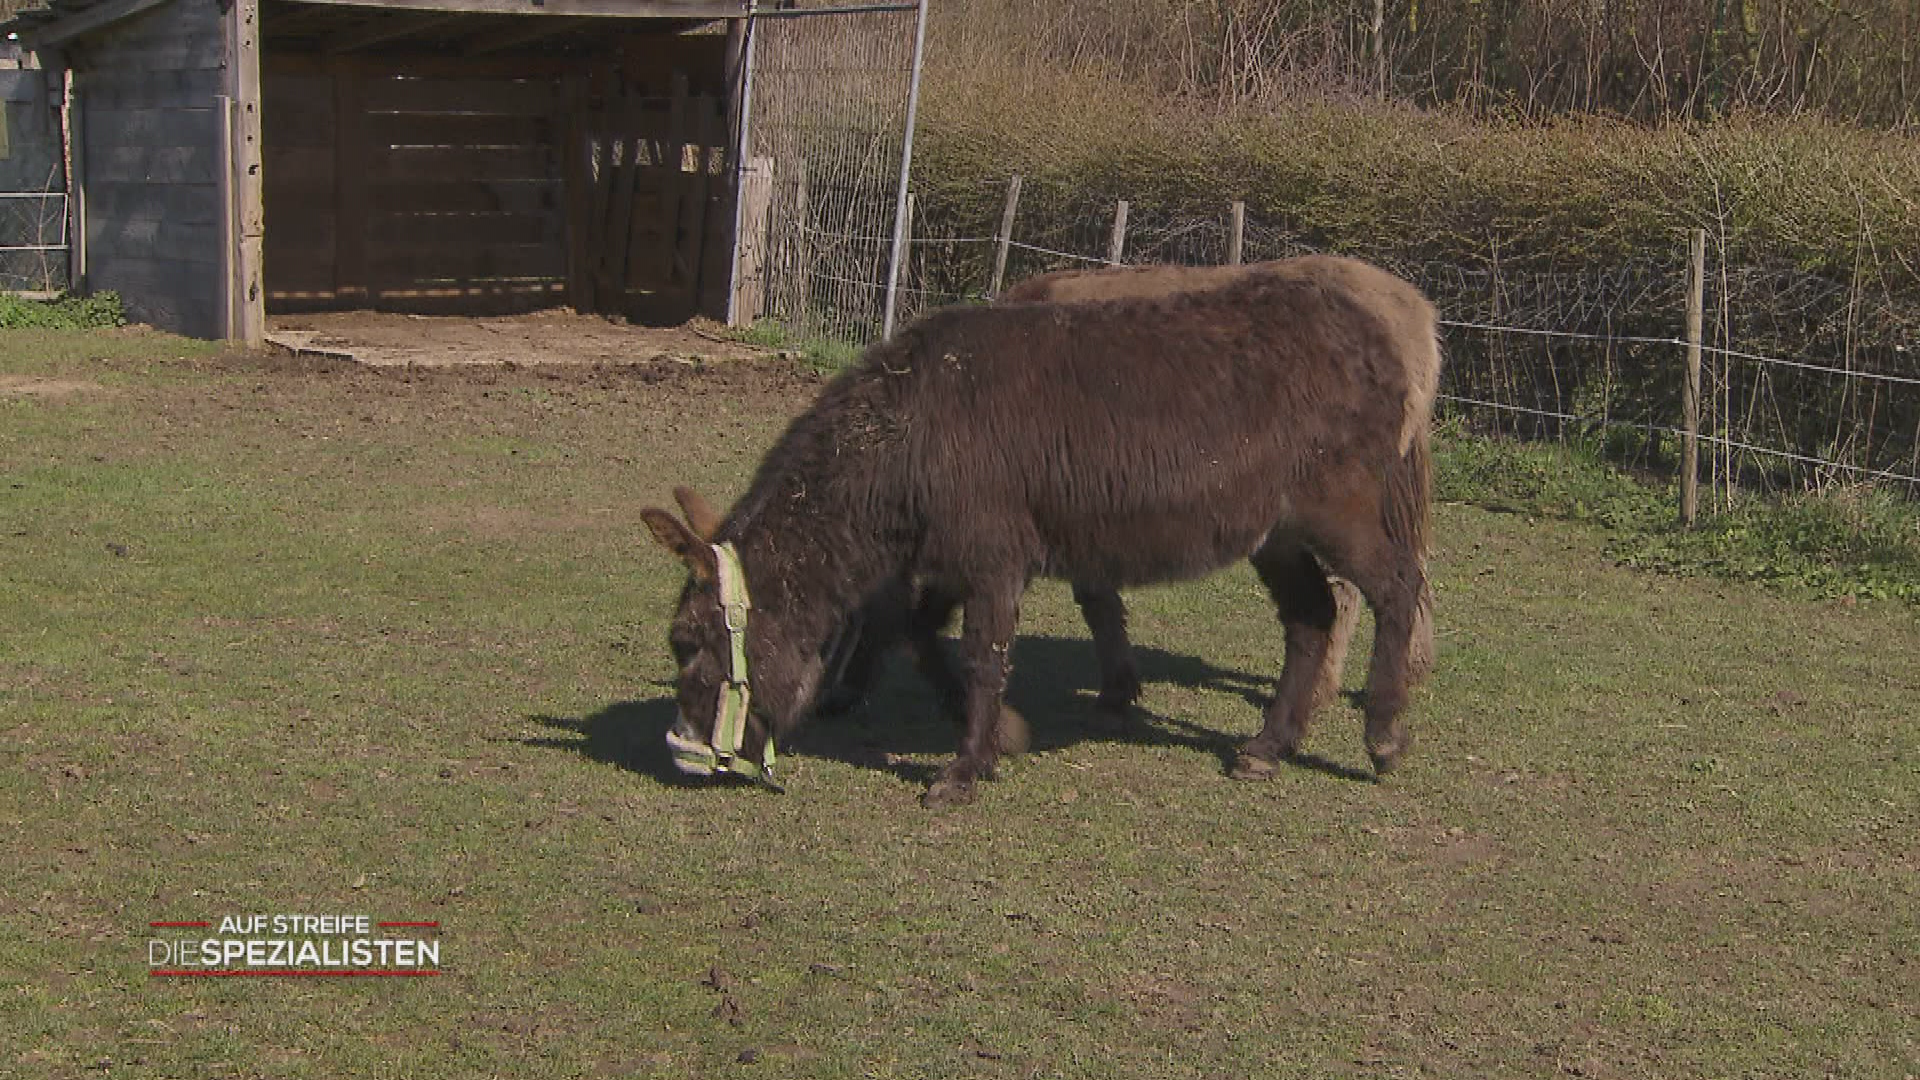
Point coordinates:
[[705, 522], [676, 538]]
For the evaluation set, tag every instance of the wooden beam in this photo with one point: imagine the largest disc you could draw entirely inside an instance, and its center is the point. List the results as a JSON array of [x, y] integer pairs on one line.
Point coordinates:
[[383, 30], [514, 36], [93, 18], [293, 23], [619, 9]]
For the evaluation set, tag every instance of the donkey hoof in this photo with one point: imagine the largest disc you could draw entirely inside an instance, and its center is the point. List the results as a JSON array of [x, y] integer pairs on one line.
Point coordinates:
[[1122, 690], [1386, 755], [1247, 766], [1012, 735]]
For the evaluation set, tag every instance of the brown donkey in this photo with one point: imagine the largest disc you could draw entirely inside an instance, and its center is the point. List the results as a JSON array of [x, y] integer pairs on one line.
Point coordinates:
[[1120, 442], [897, 613]]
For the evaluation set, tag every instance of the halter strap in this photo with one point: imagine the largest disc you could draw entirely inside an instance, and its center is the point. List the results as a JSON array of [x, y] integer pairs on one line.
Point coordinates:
[[736, 693]]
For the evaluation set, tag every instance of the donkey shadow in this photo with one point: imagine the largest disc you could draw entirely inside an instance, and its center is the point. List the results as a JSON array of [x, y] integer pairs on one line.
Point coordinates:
[[901, 720]]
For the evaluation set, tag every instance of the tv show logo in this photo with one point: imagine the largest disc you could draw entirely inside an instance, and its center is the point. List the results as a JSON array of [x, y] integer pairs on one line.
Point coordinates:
[[336, 946]]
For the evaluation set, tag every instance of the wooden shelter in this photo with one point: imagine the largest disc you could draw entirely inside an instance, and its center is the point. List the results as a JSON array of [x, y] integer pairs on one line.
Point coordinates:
[[235, 158]]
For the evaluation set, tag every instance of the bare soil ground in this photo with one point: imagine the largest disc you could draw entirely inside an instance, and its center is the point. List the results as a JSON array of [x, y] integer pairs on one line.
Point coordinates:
[[35, 386], [559, 336]]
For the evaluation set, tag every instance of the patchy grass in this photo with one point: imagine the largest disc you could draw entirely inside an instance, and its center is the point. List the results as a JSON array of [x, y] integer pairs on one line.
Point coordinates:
[[824, 355], [291, 638], [1840, 542]]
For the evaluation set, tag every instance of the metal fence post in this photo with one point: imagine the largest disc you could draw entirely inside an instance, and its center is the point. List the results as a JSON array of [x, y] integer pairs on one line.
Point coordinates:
[[906, 167]]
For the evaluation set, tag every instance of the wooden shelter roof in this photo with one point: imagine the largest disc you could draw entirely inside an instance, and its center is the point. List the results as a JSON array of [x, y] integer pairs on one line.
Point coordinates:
[[351, 25]]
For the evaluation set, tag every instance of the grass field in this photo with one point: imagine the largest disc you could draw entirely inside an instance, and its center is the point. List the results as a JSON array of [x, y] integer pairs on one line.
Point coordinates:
[[287, 638]]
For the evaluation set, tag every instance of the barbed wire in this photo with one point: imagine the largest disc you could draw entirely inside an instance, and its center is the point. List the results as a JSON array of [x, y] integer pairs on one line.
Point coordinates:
[[1662, 429]]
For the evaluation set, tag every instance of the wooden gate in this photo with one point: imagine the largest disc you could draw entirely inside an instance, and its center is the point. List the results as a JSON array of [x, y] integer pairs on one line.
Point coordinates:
[[655, 164]]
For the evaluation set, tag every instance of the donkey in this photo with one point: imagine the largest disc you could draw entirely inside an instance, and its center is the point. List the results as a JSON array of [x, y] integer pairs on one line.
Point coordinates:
[[896, 613], [1121, 442]]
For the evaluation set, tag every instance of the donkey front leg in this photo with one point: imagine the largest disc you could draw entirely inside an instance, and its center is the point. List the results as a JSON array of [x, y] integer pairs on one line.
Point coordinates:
[[986, 646], [1106, 616]]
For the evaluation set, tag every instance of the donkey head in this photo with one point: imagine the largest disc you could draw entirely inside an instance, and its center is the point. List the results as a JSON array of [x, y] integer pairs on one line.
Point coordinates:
[[720, 726]]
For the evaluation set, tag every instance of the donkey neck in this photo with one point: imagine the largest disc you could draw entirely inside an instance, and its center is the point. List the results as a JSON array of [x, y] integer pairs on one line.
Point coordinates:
[[810, 564]]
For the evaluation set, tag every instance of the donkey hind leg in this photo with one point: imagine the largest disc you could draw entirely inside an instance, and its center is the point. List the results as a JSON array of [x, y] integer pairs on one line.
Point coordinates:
[[1306, 605], [925, 627], [1347, 603], [986, 646], [1106, 617], [1394, 584]]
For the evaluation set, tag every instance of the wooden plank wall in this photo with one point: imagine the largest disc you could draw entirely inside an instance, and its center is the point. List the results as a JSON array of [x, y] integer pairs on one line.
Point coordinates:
[[657, 169], [426, 188], [148, 87]]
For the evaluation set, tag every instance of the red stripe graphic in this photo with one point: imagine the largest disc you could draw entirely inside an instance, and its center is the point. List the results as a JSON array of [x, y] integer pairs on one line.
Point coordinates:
[[161, 924], [429, 925]]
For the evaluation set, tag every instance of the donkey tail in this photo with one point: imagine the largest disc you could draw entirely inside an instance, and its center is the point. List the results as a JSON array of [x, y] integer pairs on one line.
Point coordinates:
[[1410, 494], [1407, 514]]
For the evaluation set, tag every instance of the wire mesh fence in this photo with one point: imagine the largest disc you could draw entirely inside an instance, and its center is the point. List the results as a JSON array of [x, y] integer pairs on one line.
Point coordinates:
[[1809, 380], [33, 200], [33, 241], [826, 130]]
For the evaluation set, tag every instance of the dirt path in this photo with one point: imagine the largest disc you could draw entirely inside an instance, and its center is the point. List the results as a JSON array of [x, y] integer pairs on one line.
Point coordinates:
[[545, 337]]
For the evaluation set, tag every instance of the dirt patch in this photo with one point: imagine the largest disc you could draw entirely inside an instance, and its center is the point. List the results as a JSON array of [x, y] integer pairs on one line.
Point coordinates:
[[385, 339], [34, 386]]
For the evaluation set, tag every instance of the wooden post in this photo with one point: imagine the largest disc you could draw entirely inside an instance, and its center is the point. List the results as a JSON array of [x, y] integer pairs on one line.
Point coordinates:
[[1690, 395], [1117, 245], [1004, 238], [1236, 233], [750, 280], [229, 315], [1379, 50], [76, 148], [249, 196]]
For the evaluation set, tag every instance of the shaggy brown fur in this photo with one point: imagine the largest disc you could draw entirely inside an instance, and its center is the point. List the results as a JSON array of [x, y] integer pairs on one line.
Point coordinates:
[[888, 619], [1120, 442]]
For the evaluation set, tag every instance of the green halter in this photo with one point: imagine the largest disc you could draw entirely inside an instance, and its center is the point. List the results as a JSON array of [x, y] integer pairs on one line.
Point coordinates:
[[730, 715]]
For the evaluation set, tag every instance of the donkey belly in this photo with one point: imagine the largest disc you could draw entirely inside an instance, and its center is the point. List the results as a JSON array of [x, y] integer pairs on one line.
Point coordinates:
[[1124, 550]]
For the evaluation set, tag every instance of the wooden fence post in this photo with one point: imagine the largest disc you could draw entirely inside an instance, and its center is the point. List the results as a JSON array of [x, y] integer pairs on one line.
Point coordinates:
[[756, 204], [1236, 233], [1119, 242], [1690, 395], [1004, 238]]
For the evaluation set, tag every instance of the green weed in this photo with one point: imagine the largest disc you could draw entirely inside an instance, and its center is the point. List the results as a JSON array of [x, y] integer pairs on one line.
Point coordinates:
[[822, 354], [102, 309]]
